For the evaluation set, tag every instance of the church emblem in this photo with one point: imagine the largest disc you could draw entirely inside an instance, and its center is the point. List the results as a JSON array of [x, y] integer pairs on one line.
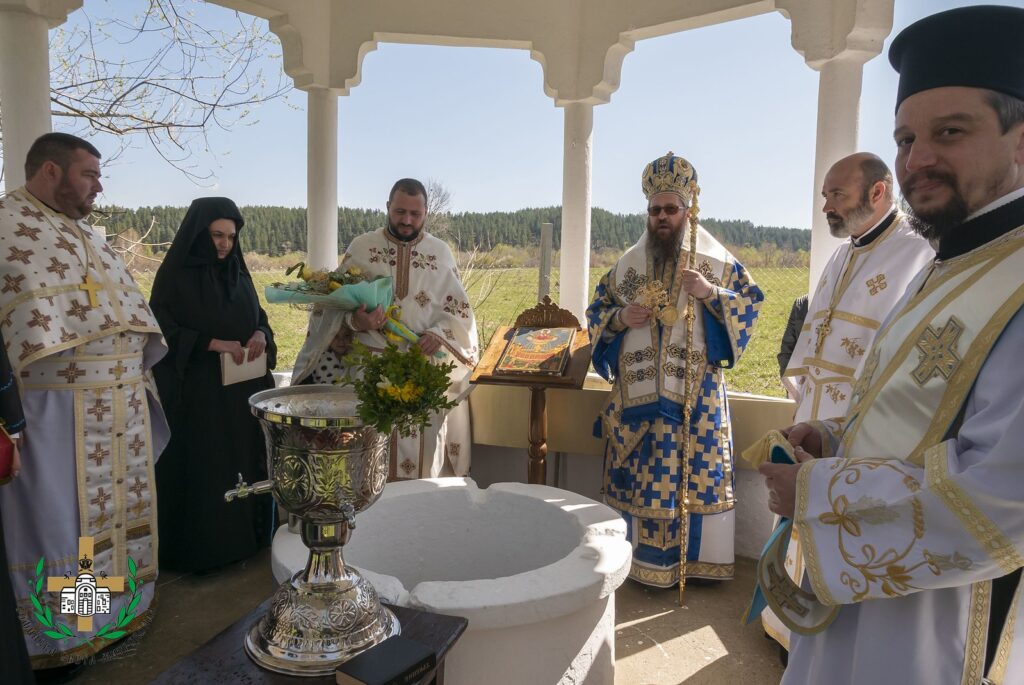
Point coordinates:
[[937, 352], [84, 595]]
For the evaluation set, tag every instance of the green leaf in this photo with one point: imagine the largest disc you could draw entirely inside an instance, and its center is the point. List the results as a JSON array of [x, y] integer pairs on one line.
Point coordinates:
[[131, 584], [39, 585], [54, 634], [121, 614], [116, 634], [39, 566], [41, 619], [49, 615], [127, 619], [65, 629], [35, 603], [131, 567], [134, 603], [102, 631]]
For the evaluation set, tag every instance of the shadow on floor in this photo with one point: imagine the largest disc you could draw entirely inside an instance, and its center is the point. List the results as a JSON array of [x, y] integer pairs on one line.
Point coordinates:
[[657, 642]]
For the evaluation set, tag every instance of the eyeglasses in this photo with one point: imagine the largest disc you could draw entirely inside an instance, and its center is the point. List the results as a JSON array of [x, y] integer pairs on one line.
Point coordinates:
[[670, 210]]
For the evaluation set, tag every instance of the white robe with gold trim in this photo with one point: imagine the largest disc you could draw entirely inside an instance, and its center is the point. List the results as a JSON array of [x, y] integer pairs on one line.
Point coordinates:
[[907, 527], [94, 425], [857, 290], [430, 293]]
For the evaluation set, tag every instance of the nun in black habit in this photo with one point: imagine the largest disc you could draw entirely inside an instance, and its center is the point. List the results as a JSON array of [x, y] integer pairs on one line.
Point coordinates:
[[206, 303]]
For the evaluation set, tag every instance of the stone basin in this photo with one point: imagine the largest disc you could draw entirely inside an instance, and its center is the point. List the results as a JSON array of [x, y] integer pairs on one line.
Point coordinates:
[[533, 568]]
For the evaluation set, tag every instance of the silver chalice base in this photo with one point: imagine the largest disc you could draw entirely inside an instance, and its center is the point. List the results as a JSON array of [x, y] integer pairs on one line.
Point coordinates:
[[309, 633], [324, 468]]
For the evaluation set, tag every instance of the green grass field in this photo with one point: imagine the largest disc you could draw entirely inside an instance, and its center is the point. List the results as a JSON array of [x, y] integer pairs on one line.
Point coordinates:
[[498, 295]]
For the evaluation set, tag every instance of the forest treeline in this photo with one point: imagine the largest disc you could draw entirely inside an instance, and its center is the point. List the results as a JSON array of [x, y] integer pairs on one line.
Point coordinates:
[[278, 230]]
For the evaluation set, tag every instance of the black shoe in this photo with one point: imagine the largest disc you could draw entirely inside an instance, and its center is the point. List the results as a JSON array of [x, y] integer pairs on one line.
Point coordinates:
[[58, 674], [783, 656]]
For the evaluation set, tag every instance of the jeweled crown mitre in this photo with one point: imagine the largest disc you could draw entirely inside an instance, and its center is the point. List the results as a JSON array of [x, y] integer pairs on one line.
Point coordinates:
[[670, 174]]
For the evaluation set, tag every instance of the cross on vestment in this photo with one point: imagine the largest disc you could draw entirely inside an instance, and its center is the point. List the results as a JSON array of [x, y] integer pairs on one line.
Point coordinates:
[[90, 287], [783, 592], [937, 350], [824, 328], [58, 583]]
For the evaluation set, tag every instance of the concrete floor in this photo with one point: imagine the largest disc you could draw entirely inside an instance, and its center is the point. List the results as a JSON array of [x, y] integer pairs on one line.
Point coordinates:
[[657, 642]]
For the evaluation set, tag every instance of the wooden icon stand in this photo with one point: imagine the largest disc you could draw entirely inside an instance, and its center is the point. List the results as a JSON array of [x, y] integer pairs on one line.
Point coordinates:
[[545, 315]]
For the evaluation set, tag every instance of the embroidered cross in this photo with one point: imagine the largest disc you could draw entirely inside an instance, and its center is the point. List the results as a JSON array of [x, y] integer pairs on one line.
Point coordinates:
[[135, 403], [29, 232], [138, 487], [938, 351], [12, 283], [101, 499], [119, 370], [58, 267], [79, 310], [630, 282], [28, 348], [38, 216], [20, 255], [136, 445], [90, 286], [66, 336], [876, 284], [71, 373], [99, 454], [139, 508], [107, 322], [65, 244], [99, 409], [784, 593], [40, 320], [422, 299]]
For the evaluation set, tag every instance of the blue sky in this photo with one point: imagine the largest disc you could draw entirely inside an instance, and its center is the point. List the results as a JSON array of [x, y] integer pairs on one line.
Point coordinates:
[[735, 99]]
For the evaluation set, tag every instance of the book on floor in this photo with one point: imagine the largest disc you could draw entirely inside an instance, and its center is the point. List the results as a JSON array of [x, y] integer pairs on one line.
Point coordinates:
[[396, 661]]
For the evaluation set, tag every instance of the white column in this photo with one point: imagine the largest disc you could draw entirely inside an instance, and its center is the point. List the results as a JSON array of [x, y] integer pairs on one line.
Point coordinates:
[[322, 178], [574, 258], [839, 86], [24, 88]]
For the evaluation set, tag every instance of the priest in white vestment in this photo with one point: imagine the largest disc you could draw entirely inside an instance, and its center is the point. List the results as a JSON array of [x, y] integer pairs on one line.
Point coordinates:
[[433, 304], [911, 516], [82, 341], [862, 281]]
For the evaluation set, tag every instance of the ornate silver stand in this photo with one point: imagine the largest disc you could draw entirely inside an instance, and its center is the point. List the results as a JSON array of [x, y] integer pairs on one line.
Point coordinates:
[[324, 468]]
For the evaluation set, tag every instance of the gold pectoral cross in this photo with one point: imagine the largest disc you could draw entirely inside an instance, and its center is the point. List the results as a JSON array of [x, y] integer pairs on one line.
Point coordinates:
[[91, 287], [823, 331]]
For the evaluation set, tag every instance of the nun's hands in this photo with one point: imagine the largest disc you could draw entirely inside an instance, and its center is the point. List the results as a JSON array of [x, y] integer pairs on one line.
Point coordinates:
[[257, 344], [232, 347]]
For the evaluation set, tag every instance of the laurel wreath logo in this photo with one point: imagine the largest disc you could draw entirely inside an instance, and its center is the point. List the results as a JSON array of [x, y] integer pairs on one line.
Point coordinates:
[[109, 632]]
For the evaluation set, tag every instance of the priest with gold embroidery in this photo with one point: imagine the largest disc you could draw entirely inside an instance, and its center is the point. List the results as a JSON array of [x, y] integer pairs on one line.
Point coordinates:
[[861, 282], [674, 311], [909, 507], [81, 339]]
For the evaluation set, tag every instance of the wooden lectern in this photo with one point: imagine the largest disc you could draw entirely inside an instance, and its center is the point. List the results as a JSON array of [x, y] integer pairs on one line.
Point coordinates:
[[545, 315]]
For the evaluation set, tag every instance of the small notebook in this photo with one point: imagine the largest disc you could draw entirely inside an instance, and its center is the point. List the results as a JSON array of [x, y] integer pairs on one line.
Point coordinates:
[[231, 373]]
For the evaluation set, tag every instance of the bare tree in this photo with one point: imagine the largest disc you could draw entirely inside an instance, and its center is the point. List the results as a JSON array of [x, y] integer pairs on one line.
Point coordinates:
[[439, 207], [162, 77]]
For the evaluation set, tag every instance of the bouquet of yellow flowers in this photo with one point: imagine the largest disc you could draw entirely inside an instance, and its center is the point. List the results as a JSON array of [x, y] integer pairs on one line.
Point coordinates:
[[398, 390]]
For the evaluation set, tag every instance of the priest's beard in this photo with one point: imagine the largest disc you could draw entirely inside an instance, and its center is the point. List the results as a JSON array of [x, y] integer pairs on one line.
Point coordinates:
[[664, 248], [939, 222], [839, 226], [393, 230]]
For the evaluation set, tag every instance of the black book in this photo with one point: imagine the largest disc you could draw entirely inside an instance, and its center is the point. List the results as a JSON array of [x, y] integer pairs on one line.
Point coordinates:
[[396, 661]]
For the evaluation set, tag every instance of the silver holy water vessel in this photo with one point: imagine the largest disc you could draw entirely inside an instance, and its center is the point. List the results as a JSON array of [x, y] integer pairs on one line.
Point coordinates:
[[324, 466]]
